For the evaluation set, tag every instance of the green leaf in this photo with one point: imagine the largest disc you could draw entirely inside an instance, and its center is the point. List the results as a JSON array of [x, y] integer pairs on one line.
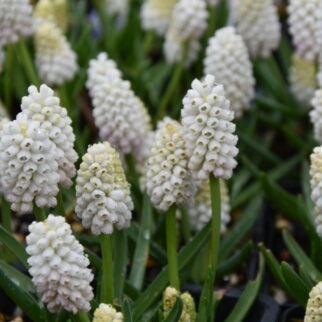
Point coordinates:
[[14, 246], [20, 279], [142, 246], [24, 300], [127, 311], [240, 229], [247, 297], [301, 258], [298, 288], [235, 260], [153, 291], [176, 311], [119, 262]]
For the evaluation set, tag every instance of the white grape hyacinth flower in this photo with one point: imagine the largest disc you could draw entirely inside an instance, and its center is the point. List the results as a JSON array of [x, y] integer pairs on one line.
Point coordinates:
[[56, 62], [313, 311], [103, 199], [58, 266], [156, 14], [303, 79], [316, 115], [199, 208], [44, 106], [257, 22], [209, 130], [119, 8], [28, 166], [228, 60], [304, 21], [316, 186], [168, 179], [16, 20], [187, 24], [107, 313]]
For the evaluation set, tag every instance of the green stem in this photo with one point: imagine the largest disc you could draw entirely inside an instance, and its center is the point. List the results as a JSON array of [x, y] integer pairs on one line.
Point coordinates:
[[148, 41], [60, 209], [176, 75], [27, 62], [8, 76], [107, 274], [39, 213], [212, 21], [185, 225], [6, 214], [81, 317], [171, 233]]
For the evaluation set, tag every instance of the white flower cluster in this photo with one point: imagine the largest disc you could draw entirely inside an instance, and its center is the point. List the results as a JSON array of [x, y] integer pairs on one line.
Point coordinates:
[[28, 166], [103, 199], [313, 311], [199, 209], [58, 266], [55, 11], [257, 22], [304, 23], [187, 24], [303, 79], [15, 20], [168, 177], [316, 115], [117, 7], [107, 313], [209, 130], [169, 299], [155, 15], [43, 106], [316, 186], [228, 60], [120, 116], [55, 60]]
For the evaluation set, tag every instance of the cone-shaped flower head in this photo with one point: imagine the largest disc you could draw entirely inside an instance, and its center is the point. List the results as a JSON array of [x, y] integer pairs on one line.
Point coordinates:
[[55, 11], [120, 116], [170, 296], [168, 178], [257, 22], [55, 59], [316, 115], [209, 130], [155, 15], [107, 313], [303, 79], [15, 20], [103, 199], [43, 106], [316, 186], [117, 7], [199, 208], [313, 311], [187, 24], [228, 60], [304, 21], [58, 266], [28, 166]]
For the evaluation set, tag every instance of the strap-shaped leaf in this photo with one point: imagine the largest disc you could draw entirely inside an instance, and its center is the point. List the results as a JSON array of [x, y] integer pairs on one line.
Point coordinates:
[[175, 312]]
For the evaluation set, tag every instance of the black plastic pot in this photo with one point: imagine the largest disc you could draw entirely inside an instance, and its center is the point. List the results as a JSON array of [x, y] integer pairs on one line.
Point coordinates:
[[292, 313], [264, 309]]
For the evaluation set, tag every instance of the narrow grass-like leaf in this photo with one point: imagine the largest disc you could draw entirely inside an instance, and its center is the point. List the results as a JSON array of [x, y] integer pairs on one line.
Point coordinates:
[[176, 311], [127, 311], [299, 289], [153, 291], [14, 246], [142, 246], [247, 297], [24, 300], [301, 258]]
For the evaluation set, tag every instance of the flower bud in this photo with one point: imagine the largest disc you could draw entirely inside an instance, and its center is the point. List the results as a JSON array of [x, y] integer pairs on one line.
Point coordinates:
[[313, 307], [208, 130], [107, 313], [58, 266], [228, 60], [103, 199]]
